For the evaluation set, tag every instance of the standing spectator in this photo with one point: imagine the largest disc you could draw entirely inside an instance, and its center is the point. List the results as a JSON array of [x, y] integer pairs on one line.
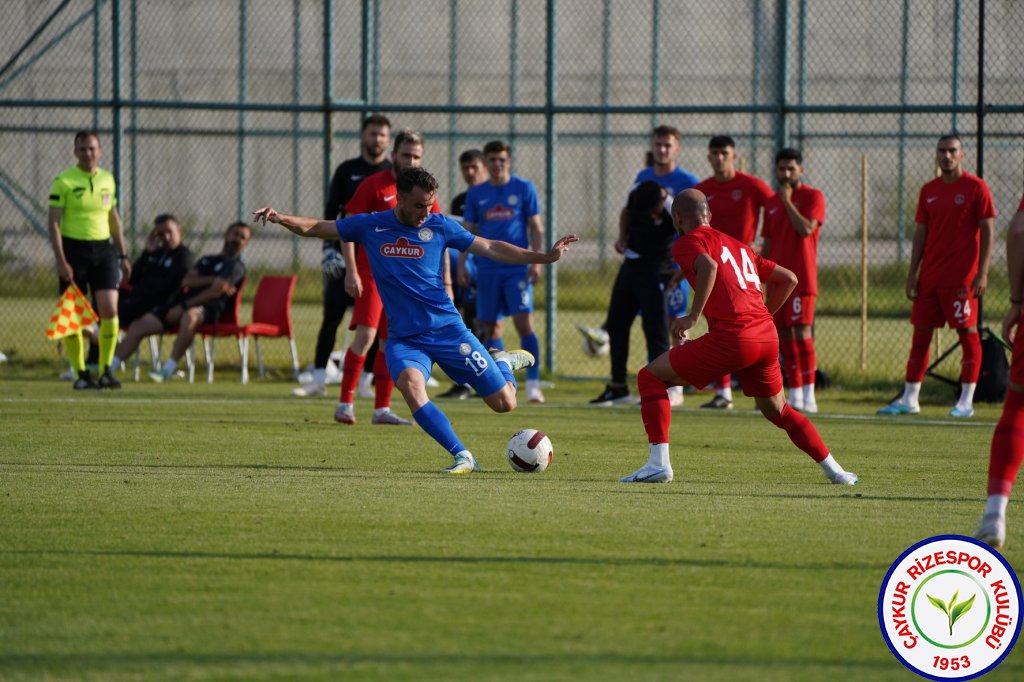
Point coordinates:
[[206, 290], [156, 274], [726, 277], [639, 286], [948, 273], [736, 200], [792, 225], [406, 247], [1007, 449], [506, 208], [471, 166], [377, 193], [662, 168], [88, 245], [374, 140]]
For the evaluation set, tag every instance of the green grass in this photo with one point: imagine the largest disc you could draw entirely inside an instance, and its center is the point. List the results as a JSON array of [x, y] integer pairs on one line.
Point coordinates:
[[234, 533]]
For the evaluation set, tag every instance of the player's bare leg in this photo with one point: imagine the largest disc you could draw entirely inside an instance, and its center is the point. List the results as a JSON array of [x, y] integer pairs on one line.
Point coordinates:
[[803, 434]]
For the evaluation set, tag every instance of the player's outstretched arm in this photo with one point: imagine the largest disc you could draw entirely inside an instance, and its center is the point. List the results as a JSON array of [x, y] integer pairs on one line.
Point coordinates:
[[300, 225], [777, 295], [510, 253]]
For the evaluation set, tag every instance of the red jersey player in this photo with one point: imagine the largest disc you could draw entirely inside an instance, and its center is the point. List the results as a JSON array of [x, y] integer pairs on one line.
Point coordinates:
[[736, 200], [948, 273], [378, 192], [1008, 440], [792, 225], [726, 278]]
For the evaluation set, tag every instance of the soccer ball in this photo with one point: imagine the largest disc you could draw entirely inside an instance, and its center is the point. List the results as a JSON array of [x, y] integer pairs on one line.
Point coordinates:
[[595, 348], [529, 451]]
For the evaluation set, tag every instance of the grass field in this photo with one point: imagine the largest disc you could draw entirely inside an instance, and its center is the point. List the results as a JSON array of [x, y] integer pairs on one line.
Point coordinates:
[[234, 533]]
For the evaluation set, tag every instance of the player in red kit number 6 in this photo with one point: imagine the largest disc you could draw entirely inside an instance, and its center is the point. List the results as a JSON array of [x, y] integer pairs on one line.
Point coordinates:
[[1007, 450], [948, 273], [792, 225], [726, 278]]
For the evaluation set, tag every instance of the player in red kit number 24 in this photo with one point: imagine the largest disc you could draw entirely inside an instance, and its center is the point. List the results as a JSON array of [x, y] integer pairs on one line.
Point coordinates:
[[726, 278]]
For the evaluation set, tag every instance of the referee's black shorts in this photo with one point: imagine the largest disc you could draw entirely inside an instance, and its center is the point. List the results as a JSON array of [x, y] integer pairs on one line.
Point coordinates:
[[95, 264]]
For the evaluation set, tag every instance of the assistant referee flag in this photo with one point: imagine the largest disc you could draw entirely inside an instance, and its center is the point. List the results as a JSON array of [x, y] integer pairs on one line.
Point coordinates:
[[71, 314]]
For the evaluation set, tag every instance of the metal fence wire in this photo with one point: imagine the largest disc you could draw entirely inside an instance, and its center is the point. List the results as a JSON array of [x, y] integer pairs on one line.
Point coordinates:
[[210, 109]]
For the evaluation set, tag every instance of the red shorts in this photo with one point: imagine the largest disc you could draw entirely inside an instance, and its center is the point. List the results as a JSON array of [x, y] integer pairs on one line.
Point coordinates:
[[1017, 357], [798, 310], [754, 361], [369, 310], [934, 307]]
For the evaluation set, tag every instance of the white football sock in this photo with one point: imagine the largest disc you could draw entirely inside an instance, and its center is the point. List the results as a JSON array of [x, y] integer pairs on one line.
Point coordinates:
[[796, 397], [377, 411], [831, 467], [912, 392], [996, 505], [532, 384], [659, 455], [726, 393], [966, 395], [809, 394]]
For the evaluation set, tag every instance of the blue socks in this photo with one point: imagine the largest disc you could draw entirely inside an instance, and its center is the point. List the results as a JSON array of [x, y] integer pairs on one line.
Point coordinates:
[[432, 420], [532, 345], [498, 343]]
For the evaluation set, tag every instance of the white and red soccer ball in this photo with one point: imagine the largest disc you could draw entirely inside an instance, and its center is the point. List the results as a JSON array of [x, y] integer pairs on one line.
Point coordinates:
[[529, 451]]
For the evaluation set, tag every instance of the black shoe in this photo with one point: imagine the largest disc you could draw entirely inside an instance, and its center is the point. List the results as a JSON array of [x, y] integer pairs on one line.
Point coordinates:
[[612, 395], [107, 380], [718, 403], [456, 392], [84, 381]]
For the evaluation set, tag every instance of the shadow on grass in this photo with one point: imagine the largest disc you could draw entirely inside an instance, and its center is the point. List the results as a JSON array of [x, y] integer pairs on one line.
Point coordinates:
[[458, 560]]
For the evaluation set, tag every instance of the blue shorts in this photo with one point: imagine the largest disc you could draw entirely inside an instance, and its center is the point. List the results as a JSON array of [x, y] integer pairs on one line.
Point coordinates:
[[456, 351], [498, 293], [676, 300]]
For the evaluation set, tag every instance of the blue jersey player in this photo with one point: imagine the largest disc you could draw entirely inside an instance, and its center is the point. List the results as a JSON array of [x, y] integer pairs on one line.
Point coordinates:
[[506, 208], [406, 249]]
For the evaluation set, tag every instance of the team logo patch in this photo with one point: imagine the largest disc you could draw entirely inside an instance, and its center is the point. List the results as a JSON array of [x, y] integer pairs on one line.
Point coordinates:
[[106, 199], [401, 249], [959, 199], [513, 200], [737, 194], [523, 284], [425, 234], [465, 349], [949, 608]]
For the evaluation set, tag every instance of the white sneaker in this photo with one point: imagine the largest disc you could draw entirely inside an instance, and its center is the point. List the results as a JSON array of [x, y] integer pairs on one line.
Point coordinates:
[[345, 414], [992, 530], [364, 389], [516, 359], [389, 418], [649, 473], [845, 478], [464, 464], [310, 390], [675, 396], [534, 394]]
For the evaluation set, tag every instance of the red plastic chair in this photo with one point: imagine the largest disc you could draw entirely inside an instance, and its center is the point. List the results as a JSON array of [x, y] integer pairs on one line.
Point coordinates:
[[226, 325], [272, 317]]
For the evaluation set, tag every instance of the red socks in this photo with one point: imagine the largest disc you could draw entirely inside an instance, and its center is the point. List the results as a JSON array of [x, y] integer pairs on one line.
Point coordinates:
[[791, 362], [807, 359], [1007, 446], [351, 369], [917, 364], [970, 364], [801, 431], [383, 385], [654, 406]]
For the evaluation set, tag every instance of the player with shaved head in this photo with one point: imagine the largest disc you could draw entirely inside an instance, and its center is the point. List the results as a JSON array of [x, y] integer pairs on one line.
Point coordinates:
[[726, 277]]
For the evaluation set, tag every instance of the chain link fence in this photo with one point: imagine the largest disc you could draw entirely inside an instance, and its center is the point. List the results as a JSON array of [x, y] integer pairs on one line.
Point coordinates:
[[210, 109]]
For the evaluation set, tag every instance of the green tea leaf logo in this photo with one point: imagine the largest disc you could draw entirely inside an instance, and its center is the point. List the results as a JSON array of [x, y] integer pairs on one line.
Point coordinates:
[[954, 611]]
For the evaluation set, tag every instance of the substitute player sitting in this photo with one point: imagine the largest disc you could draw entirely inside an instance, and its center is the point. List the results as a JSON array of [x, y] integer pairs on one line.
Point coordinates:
[[406, 247], [726, 277]]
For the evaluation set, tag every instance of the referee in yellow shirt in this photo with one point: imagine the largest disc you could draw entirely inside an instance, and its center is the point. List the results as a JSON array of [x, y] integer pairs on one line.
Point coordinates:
[[88, 243]]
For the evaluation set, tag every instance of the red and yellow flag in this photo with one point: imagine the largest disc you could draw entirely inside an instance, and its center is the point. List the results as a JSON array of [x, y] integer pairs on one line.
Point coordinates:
[[71, 314]]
